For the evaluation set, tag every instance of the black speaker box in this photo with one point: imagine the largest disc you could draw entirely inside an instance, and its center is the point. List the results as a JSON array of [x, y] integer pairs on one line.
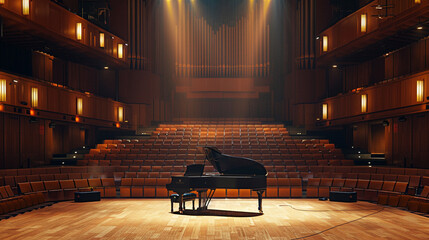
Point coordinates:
[[87, 196], [343, 196]]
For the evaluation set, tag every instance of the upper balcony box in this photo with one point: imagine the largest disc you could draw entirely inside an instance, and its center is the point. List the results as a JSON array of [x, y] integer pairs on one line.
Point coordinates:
[[41, 23], [372, 31]]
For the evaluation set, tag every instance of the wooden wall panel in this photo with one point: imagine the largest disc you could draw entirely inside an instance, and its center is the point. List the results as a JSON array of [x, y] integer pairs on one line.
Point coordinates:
[[402, 143], [420, 142], [32, 142], [360, 135], [377, 141], [2, 139], [417, 56], [11, 141]]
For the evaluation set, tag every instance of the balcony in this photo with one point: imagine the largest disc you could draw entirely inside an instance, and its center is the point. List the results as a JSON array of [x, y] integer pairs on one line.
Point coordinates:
[[372, 31], [48, 27]]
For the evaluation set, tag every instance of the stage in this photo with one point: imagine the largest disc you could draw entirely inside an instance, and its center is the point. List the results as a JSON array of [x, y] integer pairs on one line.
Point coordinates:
[[230, 219]]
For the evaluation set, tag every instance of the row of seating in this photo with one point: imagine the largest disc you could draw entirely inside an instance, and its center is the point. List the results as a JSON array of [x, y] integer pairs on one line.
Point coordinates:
[[172, 143], [411, 203], [125, 168], [255, 156], [59, 190], [367, 190], [272, 165], [11, 205]]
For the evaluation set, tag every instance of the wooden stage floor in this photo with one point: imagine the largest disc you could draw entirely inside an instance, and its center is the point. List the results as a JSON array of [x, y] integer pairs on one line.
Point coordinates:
[[151, 219]]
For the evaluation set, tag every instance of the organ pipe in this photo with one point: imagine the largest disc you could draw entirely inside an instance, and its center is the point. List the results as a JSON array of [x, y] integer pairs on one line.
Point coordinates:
[[240, 48]]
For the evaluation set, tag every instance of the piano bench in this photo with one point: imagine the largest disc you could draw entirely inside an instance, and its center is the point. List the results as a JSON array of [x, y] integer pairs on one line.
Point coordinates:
[[186, 197]]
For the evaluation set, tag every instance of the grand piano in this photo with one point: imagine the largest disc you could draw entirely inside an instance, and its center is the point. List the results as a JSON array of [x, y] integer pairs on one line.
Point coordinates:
[[235, 173]]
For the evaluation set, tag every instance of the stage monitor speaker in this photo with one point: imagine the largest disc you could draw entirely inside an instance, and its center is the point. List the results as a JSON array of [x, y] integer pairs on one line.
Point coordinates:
[[343, 196], [87, 196]]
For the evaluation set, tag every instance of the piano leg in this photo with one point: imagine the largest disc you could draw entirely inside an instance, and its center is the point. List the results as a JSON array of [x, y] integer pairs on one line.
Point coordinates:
[[180, 203], [260, 192]]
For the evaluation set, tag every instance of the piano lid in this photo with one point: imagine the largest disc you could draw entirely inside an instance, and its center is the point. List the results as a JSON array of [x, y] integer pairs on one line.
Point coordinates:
[[229, 165]]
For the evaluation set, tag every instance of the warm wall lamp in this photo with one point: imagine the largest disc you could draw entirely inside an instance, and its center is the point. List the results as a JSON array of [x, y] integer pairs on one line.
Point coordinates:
[[363, 22], [1, 1], [25, 7], [325, 43], [420, 90], [102, 40], [120, 114], [120, 50], [417, 1], [79, 31], [34, 97], [79, 106], [325, 111], [2, 90], [364, 103]]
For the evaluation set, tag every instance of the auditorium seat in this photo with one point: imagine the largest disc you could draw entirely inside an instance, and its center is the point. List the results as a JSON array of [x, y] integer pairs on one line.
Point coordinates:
[[137, 187], [337, 184], [68, 188], [361, 186], [55, 193], [325, 184], [313, 187], [370, 194], [161, 190], [39, 187], [82, 185], [109, 187], [295, 187], [272, 187], [96, 185]]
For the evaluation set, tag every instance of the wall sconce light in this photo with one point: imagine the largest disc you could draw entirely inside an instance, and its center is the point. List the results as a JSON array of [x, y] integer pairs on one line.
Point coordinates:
[[25, 7], [385, 123], [79, 106], [420, 88], [77, 119], [325, 43], [120, 50], [364, 103], [2, 90], [363, 22], [79, 31], [102, 40], [325, 111], [1, 1], [34, 97], [120, 114], [417, 1], [32, 112], [118, 125]]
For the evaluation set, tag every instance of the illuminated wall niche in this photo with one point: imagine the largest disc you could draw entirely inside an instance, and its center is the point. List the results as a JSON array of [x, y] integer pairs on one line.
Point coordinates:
[[102, 40], [79, 31], [420, 90], [25, 7], [325, 43], [325, 111], [2, 90], [79, 106], [363, 23], [120, 114], [120, 50], [364, 103], [34, 97]]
